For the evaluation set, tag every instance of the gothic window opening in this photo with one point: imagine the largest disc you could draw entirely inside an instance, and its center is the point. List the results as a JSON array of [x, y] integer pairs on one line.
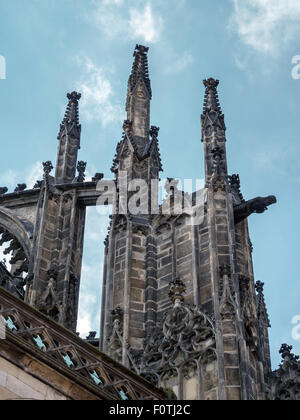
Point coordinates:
[[90, 294], [68, 360], [96, 378], [13, 264], [10, 322]]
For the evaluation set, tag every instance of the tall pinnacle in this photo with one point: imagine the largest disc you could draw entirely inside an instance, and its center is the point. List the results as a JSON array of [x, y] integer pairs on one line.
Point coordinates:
[[70, 124], [213, 131], [139, 96], [140, 70], [261, 304], [69, 141]]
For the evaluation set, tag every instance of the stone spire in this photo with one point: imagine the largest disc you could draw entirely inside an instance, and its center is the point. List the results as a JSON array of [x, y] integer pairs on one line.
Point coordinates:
[[140, 70], [213, 130], [261, 304], [69, 141], [138, 151], [139, 95]]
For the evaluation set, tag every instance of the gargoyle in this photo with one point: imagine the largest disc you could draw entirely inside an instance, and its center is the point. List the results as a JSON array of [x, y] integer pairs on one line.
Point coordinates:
[[256, 205]]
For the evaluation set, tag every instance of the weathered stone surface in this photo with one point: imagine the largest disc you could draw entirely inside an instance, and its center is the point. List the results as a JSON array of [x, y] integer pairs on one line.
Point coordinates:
[[148, 257]]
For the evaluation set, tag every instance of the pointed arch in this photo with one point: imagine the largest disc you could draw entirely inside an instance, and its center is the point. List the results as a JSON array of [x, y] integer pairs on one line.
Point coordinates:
[[21, 229]]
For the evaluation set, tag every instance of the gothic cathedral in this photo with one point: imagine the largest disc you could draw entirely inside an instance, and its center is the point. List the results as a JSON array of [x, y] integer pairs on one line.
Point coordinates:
[[182, 316]]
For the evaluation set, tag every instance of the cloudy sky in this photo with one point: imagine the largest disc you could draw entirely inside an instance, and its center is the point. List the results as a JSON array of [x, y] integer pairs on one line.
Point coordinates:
[[52, 47]]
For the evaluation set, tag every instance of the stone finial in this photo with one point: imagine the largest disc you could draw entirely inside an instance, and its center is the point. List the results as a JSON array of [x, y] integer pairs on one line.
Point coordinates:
[[70, 124], [286, 353], [47, 166], [127, 125], [235, 181], [140, 49], [177, 290], [154, 131], [211, 83], [211, 101], [285, 350], [259, 287], [81, 167], [74, 97]]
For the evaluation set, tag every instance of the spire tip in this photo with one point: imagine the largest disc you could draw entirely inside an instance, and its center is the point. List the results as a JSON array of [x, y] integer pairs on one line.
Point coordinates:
[[211, 83], [74, 96], [140, 49]]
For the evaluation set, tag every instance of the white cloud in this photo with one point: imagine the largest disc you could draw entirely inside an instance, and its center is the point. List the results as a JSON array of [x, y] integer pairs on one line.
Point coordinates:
[[90, 299], [84, 324], [97, 103], [33, 174], [265, 25], [141, 24], [115, 2], [181, 64], [96, 225], [109, 18], [144, 25], [29, 176], [8, 178]]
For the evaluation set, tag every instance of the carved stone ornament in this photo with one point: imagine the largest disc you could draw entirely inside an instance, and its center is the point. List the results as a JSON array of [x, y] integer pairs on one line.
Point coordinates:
[[262, 312], [177, 289], [17, 258], [256, 205], [218, 179], [48, 302], [185, 336], [120, 223], [47, 167], [227, 295], [284, 383], [235, 188], [81, 167], [115, 341], [247, 312]]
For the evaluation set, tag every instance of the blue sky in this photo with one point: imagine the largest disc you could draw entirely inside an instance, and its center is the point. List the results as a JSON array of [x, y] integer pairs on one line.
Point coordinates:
[[52, 47]]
